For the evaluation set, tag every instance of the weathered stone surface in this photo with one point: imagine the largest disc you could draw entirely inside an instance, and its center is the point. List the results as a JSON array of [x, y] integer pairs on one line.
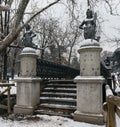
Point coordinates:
[[28, 87], [20, 109], [89, 118], [89, 94], [90, 60], [89, 86], [28, 62], [28, 94]]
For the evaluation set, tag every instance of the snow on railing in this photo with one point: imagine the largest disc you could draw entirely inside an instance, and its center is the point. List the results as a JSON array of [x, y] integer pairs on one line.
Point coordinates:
[[111, 108], [7, 87]]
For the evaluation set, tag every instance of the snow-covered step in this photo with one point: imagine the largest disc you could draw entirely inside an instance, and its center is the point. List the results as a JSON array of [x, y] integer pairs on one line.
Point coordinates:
[[58, 98], [62, 85], [55, 109], [59, 88], [64, 81], [54, 100], [53, 94], [53, 113], [57, 106], [65, 90]]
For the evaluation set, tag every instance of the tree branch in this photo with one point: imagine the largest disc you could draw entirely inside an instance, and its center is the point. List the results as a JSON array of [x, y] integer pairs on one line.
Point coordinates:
[[16, 30], [110, 7], [43, 9], [20, 12]]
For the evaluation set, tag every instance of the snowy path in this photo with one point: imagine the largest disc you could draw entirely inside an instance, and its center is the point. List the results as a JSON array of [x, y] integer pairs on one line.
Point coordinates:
[[45, 121]]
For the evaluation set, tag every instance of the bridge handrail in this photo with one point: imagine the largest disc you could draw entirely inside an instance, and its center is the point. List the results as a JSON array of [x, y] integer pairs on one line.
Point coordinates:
[[47, 69], [111, 107], [7, 90]]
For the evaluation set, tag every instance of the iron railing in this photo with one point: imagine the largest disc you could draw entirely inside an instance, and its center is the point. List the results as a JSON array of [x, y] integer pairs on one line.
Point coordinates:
[[47, 69]]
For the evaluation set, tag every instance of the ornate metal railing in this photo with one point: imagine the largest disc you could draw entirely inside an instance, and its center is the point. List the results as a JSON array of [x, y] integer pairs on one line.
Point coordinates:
[[105, 71], [46, 69]]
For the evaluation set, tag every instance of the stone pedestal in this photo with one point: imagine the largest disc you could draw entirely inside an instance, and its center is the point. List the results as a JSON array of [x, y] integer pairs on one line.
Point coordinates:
[[28, 86], [28, 95], [28, 62], [90, 60], [89, 99], [89, 86]]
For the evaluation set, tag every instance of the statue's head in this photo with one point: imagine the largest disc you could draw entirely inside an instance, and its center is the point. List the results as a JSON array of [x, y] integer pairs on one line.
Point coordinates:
[[89, 13], [27, 26]]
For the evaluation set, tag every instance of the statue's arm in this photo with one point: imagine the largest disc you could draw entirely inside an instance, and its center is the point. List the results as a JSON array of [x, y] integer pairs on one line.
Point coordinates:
[[81, 26], [32, 34], [23, 37]]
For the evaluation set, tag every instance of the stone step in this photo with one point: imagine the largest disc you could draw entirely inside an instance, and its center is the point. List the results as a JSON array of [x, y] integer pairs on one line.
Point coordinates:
[[64, 90], [54, 100], [57, 106], [53, 113], [58, 98], [56, 85], [56, 110], [60, 95], [62, 81]]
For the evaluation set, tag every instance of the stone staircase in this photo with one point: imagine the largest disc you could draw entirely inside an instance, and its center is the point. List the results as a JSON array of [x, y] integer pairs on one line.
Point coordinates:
[[58, 98]]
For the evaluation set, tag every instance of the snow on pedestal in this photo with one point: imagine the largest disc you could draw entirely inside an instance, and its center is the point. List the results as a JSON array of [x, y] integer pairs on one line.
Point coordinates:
[[89, 84], [89, 42], [28, 86]]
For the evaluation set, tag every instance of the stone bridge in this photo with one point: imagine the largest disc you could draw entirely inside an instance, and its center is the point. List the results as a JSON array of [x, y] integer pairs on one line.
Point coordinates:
[[86, 105]]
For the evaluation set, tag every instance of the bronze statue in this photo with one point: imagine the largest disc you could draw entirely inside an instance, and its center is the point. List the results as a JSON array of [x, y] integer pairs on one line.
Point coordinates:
[[89, 25], [28, 37]]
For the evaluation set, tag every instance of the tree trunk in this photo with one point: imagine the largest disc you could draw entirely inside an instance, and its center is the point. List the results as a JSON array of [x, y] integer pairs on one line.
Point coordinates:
[[13, 65], [69, 58], [5, 65], [6, 32]]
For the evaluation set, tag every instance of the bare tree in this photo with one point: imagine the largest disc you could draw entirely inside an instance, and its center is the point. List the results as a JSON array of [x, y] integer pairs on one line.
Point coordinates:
[[45, 30], [72, 39], [16, 29], [10, 27], [4, 30], [112, 6]]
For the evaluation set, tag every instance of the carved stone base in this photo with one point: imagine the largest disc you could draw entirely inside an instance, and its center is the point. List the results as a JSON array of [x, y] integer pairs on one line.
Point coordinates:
[[89, 118], [23, 110], [28, 95], [89, 99]]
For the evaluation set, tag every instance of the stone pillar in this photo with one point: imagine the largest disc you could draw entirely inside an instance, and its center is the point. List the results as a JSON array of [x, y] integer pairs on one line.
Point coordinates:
[[89, 85], [28, 86], [90, 60]]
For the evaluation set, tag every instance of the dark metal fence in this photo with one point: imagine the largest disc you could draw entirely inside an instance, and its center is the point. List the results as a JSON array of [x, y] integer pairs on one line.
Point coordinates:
[[46, 69], [105, 71]]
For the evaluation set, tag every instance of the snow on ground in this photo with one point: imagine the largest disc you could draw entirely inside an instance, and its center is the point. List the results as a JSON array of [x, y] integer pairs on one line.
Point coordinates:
[[45, 121], [12, 90]]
